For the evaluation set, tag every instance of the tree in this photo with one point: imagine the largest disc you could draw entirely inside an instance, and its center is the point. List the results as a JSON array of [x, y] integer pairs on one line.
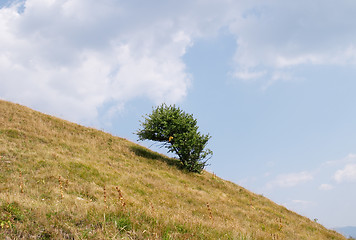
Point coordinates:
[[178, 132]]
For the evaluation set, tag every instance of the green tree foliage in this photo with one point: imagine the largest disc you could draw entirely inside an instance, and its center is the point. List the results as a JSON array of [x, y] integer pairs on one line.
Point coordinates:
[[178, 131]]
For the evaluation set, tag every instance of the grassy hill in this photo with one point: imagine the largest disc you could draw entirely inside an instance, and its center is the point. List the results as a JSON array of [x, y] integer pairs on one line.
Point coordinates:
[[60, 180]]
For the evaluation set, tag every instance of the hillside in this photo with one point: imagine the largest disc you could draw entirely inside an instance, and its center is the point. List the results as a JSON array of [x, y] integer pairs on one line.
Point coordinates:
[[60, 180]]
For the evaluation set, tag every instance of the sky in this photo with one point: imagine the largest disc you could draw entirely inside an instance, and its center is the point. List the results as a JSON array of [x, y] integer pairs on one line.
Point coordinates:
[[273, 82]]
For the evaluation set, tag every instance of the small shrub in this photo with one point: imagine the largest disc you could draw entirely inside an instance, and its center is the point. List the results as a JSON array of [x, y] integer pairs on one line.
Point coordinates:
[[178, 132]]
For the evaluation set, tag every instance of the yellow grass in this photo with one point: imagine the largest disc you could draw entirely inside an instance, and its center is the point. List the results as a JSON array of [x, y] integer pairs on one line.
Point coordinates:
[[60, 180]]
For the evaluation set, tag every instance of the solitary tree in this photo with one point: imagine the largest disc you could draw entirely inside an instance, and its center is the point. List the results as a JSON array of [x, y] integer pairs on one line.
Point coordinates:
[[178, 131]]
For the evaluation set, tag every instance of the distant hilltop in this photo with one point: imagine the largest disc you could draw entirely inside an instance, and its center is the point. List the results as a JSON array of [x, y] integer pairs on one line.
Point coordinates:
[[347, 231]]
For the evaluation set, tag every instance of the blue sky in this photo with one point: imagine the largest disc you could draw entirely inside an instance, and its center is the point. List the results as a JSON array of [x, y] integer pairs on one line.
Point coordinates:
[[273, 82]]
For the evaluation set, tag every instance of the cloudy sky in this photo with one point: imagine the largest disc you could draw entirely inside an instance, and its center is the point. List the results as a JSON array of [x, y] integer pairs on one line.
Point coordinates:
[[273, 82]]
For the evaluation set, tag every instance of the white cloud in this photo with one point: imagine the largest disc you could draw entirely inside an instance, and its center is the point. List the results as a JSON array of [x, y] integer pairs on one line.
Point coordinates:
[[347, 174], [326, 187], [301, 202], [247, 74], [71, 57], [290, 180], [299, 206], [344, 169], [277, 35], [350, 158]]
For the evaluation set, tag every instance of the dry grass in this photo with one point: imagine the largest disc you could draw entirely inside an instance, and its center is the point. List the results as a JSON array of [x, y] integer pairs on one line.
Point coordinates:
[[59, 180]]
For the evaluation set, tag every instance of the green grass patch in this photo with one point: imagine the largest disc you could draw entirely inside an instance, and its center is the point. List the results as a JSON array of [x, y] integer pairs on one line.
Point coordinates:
[[86, 172], [12, 133], [11, 212], [145, 153]]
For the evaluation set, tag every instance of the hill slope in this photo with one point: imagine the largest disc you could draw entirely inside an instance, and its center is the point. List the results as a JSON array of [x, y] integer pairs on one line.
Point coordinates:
[[60, 180]]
